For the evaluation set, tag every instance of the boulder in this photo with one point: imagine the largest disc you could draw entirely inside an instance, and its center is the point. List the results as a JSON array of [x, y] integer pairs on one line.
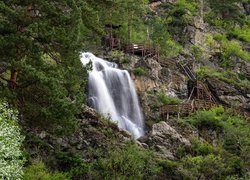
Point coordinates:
[[166, 140]]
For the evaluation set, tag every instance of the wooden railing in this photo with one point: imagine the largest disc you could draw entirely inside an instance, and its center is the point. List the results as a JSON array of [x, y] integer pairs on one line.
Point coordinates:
[[140, 49], [143, 50], [185, 108]]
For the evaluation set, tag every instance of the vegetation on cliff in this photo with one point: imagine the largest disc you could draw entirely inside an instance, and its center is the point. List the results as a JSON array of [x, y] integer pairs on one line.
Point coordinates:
[[42, 77]]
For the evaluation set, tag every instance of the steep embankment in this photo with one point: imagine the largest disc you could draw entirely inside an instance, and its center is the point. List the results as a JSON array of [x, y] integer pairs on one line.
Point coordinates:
[[205, 144]]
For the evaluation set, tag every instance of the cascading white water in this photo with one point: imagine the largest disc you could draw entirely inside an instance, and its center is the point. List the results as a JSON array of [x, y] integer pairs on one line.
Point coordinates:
[[111, 92]]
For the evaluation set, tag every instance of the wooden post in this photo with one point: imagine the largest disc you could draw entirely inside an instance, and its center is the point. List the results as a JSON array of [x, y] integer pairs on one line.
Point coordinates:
[[12, 81]]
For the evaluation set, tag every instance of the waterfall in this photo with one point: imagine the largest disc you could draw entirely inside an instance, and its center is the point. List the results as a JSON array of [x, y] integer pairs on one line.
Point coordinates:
[[112, 93]]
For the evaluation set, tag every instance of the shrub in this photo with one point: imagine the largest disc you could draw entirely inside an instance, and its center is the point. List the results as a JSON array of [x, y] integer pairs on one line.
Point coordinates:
[[72, 164], [210, 166], [11, 157], [242, 33], [206, 120], [163, 99], [130, 162], [230, 49], [227, 76], [37, 170], [170, 168], [139, 71], [197, 52], [201, 148]]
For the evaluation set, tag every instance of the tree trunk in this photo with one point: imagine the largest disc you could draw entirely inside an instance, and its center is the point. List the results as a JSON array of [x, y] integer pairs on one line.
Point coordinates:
[[12, 81]]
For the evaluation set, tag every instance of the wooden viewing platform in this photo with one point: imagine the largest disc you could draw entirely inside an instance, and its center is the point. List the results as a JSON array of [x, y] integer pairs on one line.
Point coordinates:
[[143, 50], [139, 49], [185, 108], [199, 98]]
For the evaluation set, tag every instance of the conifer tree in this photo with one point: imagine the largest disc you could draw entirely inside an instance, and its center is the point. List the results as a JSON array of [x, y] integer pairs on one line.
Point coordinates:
[[228, 9], [40, 43]]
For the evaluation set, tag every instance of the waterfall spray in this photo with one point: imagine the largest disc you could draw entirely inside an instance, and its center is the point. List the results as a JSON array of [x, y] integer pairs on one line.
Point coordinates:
[[112, 93]]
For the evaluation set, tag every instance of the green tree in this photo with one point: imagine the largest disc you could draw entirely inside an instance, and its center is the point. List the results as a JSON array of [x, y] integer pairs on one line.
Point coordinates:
[[227, 9], [40, 46], [11, 157], [129, 14]]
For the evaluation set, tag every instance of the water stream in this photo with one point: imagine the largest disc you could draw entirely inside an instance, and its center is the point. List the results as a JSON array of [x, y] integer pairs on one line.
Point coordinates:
[[112, 93]]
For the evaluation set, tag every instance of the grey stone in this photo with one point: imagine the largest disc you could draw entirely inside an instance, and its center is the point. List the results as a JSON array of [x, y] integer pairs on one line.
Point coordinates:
[[42, 135], [166, 140]]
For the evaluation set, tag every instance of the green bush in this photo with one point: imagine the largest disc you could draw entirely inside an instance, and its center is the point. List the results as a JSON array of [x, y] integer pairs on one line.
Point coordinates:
[[201, 148], [210, 167], [238, 80], [37, 170], [162, 38], [240, 33], [178, 16], [129, 162], [139, 71], [230, 49], [204, 119], [170, 168], [163, 99], [197, 52], [11, 155], [73, 164]]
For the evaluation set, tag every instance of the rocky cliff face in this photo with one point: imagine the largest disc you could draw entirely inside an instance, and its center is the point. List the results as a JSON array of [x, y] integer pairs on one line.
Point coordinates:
[[93, 132]]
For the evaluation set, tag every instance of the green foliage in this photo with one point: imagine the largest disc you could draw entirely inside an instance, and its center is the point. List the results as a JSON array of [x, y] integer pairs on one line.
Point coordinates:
[[163, 99], [162, 38], [207, 119], [230, 77], [170, 168], [228, 11], [235, 138], [129, 162], [50, 79], [210, 166], [233, 49], [139, 71], [129, 15], [197, 52], [11, 155], [230, 49], [37, 170], [210, 40], [178, 16], [240, 33], [72, 164], [200, 148]]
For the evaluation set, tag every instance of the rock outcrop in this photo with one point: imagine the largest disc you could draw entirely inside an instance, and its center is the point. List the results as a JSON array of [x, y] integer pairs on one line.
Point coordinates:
[[228, 94], [165, 140], [94, 132]]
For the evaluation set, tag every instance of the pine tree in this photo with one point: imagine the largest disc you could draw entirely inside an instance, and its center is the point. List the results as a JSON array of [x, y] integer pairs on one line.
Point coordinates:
[[228, 9], [40, 43]]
